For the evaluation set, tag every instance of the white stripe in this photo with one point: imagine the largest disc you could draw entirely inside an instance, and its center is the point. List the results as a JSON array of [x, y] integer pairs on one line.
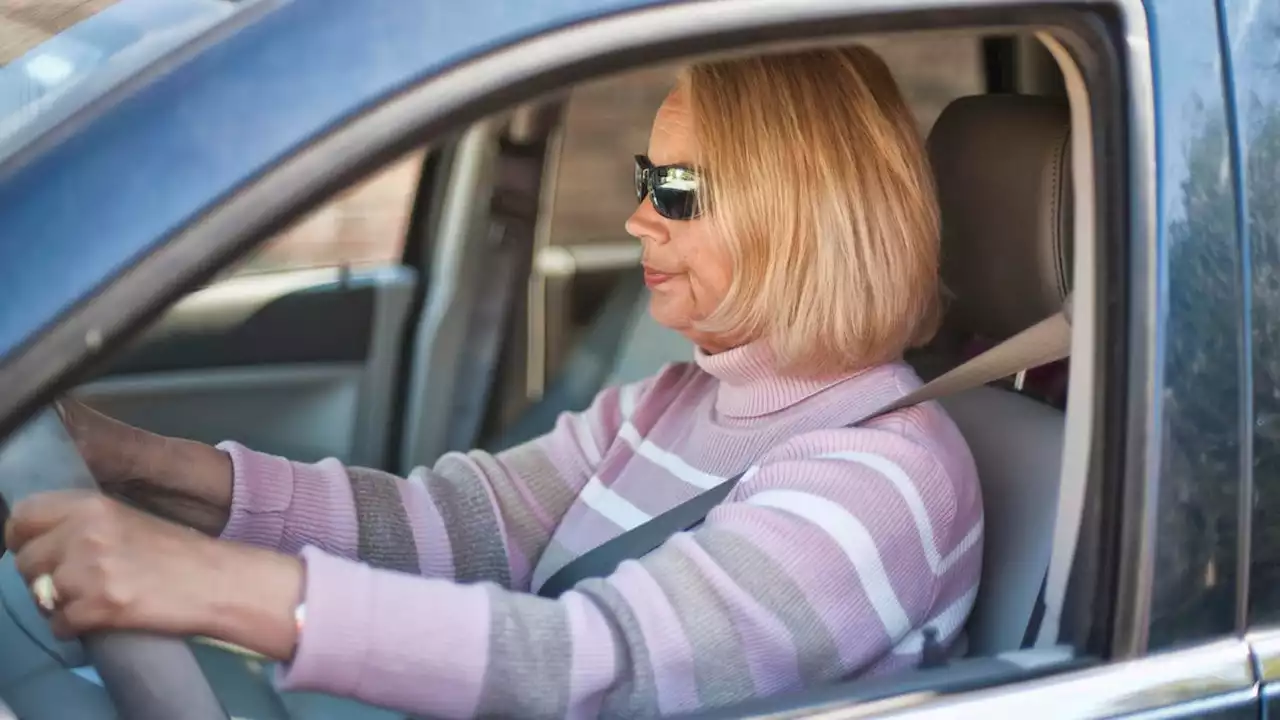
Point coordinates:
[[856, 543], [968, 541], [915, 504], [418, 477], [613, 506], [677, 466], [627, 396], [582, 432], [668, 461], [628, 434], [946, 623]]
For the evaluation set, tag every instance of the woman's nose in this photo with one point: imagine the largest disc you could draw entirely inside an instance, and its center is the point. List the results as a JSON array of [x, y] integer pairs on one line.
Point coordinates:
[[645, 222]]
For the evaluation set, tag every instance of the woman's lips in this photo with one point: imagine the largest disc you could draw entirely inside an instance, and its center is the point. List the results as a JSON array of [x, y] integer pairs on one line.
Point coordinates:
[[653, 278]]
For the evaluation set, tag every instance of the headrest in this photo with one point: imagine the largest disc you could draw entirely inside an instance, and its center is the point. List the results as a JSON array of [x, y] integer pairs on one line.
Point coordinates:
[[1003, 167]]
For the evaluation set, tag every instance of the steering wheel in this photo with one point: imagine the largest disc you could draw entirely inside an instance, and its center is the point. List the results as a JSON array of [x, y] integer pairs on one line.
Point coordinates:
[[147, 676]]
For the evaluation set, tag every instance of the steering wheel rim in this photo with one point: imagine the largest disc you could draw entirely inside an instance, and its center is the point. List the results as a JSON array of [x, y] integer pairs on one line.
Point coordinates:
[[147, 676]]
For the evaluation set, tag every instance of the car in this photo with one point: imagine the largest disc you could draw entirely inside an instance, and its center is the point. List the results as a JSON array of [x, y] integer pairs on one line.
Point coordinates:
[[158, 190]]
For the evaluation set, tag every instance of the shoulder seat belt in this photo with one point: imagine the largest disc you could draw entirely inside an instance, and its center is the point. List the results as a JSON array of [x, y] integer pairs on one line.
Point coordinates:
[[1047, 341]]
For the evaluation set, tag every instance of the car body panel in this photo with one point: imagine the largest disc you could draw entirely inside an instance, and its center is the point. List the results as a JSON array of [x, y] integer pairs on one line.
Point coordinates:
[[1253, 34], [1194, 587]]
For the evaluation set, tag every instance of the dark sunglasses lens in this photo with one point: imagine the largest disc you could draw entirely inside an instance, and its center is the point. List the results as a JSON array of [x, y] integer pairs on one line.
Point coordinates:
[[675, 203], [675, 192]]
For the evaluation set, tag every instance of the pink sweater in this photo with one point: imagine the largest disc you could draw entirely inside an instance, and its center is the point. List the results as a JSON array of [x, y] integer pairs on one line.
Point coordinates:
[[826, 561]]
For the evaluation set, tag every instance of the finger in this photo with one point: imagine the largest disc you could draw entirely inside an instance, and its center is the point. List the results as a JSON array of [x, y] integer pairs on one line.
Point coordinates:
[[37, 514], [75, 617], [42, 554]]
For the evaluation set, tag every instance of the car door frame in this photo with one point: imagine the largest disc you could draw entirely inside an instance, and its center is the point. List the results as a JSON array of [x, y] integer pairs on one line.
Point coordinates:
[[544, 63]]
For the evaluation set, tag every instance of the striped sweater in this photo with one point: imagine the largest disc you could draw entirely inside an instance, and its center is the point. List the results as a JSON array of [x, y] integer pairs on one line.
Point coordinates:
[[826, 562]]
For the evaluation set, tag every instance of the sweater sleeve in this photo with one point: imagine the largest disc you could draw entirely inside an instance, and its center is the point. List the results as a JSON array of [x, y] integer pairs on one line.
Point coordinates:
[[817, 568], [471, 517]]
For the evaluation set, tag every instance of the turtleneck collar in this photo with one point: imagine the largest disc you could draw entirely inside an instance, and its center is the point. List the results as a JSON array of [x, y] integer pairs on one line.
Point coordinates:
[[750, 386]]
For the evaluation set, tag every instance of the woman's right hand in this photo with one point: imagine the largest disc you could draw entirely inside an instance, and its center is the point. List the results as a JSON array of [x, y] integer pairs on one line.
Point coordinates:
[[181, 480]]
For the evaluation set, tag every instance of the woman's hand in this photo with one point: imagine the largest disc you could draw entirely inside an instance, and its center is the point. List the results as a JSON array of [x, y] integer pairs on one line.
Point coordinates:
[[115, 568], [182, 480]]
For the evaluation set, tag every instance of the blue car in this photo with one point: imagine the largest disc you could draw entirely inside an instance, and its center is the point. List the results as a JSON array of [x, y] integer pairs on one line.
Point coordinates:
[[367, 230]]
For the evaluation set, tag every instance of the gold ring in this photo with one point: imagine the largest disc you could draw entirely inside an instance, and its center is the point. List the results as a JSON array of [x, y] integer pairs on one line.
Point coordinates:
[[45, 592]]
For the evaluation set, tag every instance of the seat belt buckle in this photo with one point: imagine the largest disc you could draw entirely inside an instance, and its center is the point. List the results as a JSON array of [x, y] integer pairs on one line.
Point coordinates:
[[933, 655]]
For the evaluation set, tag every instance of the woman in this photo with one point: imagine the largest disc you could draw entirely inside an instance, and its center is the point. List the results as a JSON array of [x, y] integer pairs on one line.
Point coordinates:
[[790, 231]]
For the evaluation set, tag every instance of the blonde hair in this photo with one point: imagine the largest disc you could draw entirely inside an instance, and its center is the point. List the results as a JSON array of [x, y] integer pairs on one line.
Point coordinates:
[[818, 182]]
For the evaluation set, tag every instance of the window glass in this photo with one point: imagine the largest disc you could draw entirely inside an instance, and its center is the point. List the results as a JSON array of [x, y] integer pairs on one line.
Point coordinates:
[[26, 24], [55, 55], [362, 226]]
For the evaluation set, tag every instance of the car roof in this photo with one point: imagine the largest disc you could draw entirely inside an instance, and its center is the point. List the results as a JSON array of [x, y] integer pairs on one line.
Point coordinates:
[[86, 198]]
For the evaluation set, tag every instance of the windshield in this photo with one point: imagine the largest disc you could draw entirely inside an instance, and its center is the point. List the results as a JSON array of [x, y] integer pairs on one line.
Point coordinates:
[[55, 55]]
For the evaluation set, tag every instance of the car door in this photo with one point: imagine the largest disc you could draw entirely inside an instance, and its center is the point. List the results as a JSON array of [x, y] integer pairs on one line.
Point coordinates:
[[292, 135]]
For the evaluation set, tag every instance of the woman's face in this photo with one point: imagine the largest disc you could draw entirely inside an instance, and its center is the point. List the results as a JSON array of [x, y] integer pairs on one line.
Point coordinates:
[[686, 266]]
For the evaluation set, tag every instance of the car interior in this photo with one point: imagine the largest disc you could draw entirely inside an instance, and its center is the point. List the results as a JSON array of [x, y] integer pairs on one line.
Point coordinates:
[[458, 298]]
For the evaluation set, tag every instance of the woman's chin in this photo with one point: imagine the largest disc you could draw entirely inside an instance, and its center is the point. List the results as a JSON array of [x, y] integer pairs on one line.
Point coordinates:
[[666, 315]]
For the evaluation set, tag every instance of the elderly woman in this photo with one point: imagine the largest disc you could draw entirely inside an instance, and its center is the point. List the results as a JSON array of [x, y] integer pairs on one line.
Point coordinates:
[[789, 231]]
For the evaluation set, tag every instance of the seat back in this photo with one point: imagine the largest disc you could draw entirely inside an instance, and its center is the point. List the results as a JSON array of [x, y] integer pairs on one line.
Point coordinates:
[[1017, 446], [1005, 194]]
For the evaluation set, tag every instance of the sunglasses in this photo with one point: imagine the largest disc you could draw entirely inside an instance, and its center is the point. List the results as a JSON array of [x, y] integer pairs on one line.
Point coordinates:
[[673, 189]]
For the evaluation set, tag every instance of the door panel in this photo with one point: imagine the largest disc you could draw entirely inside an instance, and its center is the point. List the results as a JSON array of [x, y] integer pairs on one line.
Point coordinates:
[[300, 364]]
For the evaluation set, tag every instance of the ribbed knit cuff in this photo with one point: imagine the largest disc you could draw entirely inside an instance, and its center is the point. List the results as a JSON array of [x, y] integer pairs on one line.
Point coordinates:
[[262, 488], [395, 640]]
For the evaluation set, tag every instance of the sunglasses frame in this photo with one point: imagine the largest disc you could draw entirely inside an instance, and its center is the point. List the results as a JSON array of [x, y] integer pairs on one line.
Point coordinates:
[[649, 178]]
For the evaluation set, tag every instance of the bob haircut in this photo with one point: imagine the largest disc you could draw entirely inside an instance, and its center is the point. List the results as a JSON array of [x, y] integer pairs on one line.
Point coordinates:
[[818, 182]]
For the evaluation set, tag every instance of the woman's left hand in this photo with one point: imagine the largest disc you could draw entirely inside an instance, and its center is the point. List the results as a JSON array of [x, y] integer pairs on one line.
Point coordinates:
[[116, 568]]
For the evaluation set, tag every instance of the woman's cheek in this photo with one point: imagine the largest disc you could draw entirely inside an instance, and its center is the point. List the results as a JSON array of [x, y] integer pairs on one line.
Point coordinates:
[[711, 287]]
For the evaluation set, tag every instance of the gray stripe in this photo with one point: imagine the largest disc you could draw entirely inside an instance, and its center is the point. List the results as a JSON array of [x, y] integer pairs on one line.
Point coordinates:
[[534, 467], [536, 473], [385, 537], [530, 658], [636, 693], [469, 520], [719, 659], [762, 578]]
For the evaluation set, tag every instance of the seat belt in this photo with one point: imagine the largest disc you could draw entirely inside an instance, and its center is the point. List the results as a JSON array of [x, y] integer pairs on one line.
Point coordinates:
[[513, 211], [1047, 341]]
